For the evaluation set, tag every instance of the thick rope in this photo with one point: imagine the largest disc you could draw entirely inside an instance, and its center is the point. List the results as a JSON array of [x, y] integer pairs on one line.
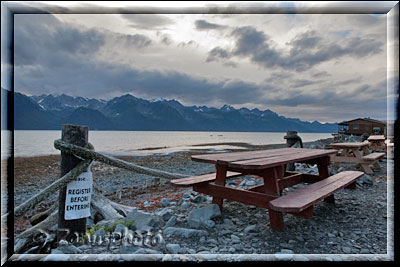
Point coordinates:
[[63, 181], [88, 154]]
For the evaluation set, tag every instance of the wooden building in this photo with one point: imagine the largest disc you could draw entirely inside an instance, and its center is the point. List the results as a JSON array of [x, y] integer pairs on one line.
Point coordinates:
[[362, 125]]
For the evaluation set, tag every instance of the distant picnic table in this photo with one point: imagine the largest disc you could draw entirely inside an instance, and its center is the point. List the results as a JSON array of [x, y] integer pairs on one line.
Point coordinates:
[[271, 166], [377, 141], [357, 152]]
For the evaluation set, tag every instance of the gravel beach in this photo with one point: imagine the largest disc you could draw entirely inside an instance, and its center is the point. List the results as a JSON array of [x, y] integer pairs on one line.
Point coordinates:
[[357, 223]]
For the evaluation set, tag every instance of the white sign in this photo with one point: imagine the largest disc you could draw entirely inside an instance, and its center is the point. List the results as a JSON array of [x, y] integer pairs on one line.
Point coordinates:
[[77, 200]]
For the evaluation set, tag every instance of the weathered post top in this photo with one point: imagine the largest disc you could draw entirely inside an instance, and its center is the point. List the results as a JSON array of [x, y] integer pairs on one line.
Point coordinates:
[[292, 140], [76, 135]]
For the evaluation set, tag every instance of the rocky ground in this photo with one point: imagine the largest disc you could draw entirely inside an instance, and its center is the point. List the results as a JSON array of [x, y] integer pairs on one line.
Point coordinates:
[[181, 221]]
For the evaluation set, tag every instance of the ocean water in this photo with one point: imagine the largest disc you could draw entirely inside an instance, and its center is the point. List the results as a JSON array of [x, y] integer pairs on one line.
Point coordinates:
[[128, 143]]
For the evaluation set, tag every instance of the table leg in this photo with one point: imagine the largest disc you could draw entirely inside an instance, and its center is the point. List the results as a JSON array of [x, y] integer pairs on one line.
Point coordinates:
[[220, 180], [366, 151], [271, 186], [275, 220], [323, 171], [342, 153], [359, 156], [376, 165]]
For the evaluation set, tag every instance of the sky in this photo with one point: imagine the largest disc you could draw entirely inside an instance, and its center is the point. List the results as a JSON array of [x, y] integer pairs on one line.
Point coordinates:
[[324, 67]]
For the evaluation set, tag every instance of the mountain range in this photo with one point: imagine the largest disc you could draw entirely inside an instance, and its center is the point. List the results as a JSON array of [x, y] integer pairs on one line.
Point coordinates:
[[127, 112]]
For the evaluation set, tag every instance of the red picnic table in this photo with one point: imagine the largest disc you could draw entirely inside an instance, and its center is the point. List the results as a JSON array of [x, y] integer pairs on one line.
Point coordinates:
[[271, 166]]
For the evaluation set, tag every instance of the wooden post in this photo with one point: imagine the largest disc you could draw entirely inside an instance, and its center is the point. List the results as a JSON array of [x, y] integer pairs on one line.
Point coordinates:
[[291, 139], [68, 229]]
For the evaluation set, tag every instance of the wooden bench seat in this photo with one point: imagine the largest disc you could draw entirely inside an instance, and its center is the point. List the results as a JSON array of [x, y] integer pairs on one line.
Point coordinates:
[[374, 156], [201, 179], [301, 199]]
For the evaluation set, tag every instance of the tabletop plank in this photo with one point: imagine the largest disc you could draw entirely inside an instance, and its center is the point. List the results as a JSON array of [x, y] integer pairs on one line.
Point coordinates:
[[376, 138], [279, 159], [263, 158], [213, 158]]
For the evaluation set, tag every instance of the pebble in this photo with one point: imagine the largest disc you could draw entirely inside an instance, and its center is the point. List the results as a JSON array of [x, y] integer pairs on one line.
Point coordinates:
[[184, 232], [201, 216], [165, 202], [199, 199], [165, 214], [251, 229], [173, 248], [346, 249], [235, 239], [238, 246], [185, 205], [171, 221]]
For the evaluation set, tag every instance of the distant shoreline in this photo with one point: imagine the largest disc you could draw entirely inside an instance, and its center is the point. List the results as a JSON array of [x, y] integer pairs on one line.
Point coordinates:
[[247, 146]]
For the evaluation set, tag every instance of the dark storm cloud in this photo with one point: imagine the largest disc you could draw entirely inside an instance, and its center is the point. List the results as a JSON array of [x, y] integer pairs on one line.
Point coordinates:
[[39, 38], [166, 39], [203, 25], [278, 77], [147, 21], [187, 44], [220, 54], [135, 40], [45, 41], [216, 53], [307, 49], [52, 57], [304, 41], [329, 96], [100, 79]]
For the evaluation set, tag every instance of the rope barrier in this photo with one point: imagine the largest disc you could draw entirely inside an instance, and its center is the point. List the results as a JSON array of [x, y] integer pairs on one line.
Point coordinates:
[[89, 154]]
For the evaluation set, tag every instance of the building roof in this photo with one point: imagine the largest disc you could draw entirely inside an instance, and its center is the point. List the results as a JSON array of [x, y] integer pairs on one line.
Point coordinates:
[[364, 119]]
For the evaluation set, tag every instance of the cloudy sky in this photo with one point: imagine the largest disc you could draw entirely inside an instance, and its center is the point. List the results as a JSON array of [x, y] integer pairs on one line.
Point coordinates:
[[325, 67]]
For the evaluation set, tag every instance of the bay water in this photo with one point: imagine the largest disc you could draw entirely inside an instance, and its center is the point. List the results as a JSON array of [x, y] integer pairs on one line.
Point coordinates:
[[136, 143]]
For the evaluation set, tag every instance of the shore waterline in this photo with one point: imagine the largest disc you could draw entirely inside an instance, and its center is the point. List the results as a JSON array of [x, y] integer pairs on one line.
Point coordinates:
[[29, 143]]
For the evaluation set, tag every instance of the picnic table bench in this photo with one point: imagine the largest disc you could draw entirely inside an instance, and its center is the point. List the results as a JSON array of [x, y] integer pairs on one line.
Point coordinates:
[[271, 166], [357, 152]]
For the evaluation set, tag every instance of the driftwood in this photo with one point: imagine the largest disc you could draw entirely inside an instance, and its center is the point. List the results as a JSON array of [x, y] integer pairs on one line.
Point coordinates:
[[26, 239], [105, 208], [101, 207], [37, 218]]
